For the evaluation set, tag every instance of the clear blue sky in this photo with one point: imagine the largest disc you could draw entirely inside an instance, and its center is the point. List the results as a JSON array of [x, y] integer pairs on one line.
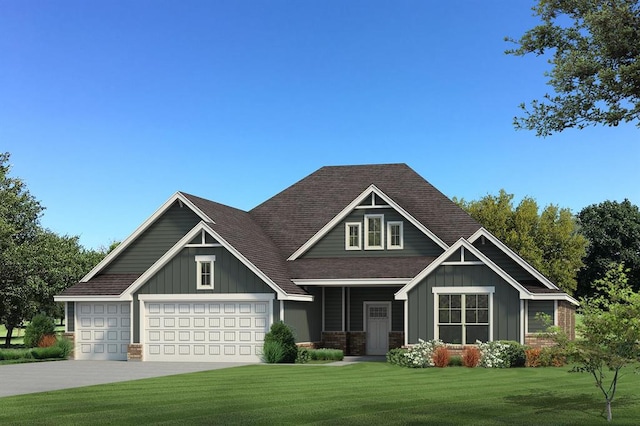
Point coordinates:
[[109, 107]]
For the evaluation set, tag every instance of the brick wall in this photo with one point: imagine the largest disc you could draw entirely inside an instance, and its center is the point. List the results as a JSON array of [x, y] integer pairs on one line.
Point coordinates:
[[357, 343], [567, 318], [396, 339], [134, 352], [335, 340]]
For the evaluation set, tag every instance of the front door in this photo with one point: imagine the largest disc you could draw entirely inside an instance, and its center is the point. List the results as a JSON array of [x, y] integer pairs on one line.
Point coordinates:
[[378, 326]]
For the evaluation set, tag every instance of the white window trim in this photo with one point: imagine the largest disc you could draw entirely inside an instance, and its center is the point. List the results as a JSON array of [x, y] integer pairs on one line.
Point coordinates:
[[461, 290], [347, 227], [366, 232], [389, 240], [200, 259]]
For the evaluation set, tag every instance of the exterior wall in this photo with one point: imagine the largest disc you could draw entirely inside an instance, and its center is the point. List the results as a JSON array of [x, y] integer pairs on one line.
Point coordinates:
[[567, 318], [415, 242], [506, 301], [358, 295], [305, 317], [155, 241], [354, 343], [502, 260]]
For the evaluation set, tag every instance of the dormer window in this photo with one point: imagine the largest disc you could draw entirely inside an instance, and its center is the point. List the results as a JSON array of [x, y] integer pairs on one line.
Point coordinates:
[[353, 236], [395, 239], [374, 232], [204, 272]]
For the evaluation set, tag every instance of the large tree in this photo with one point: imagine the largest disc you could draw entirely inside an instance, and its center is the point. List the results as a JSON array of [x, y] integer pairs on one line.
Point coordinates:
[[549, 240], [594, 48], [613, 231]]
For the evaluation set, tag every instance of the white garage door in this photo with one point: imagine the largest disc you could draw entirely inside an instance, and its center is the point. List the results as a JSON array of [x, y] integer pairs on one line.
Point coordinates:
[[205, 331], [102, 330]]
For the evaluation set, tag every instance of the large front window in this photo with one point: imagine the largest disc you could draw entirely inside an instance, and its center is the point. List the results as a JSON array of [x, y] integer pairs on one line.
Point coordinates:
[[463, 318]]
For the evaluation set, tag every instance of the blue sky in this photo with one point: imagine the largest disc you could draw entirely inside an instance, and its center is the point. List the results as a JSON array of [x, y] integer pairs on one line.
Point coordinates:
[[109, 107]]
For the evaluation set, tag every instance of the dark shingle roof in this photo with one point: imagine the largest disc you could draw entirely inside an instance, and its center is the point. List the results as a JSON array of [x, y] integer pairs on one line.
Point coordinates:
[[102, 285], [244, 234], [360, 267], [294, 215]]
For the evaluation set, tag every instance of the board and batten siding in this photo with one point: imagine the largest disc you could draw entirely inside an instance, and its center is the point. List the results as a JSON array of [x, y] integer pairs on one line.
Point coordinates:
[[506, 300], [502, 260], [154, 241], [359, 295], [305, 317], [415, 242]]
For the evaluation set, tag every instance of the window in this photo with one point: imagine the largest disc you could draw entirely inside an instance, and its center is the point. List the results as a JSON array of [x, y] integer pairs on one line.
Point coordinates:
[[374, 232], [395, 240], [204, 272], [464, 316], [352, 236]]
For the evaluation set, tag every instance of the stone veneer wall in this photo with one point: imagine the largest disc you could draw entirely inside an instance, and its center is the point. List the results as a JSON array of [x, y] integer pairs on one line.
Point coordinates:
[[355, 342], [134, 352]]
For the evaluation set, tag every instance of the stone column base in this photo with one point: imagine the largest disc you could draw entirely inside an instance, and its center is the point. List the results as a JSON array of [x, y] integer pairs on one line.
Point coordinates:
[[134, 352]]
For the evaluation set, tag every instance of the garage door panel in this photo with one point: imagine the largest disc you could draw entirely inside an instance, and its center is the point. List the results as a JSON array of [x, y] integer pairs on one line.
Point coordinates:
[[103, 330], [212, 331]]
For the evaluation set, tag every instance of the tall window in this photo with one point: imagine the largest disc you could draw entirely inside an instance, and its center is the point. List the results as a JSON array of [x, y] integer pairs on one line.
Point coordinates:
[[204, 272], [395, 239], [463, 318], [374, 232], [352, 236]]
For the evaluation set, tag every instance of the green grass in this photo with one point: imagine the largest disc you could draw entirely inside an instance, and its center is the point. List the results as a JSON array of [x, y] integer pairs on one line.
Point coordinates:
[[361, 394]]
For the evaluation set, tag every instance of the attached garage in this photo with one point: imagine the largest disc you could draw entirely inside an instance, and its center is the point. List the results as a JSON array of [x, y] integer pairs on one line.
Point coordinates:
[[215, 328], [103, 330]]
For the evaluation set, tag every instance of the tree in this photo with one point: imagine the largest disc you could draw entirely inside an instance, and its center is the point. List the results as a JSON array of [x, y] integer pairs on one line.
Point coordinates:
[[595, 67], [19, 224], [613, 231], [549, 241], [610, 332]]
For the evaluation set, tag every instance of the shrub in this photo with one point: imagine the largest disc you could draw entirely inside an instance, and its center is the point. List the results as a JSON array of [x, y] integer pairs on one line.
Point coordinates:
[[545, 357], [272, 352], [492, 354], [47, 353], [398, 356], [66, 346], [513, 353], [10, 354], [47, 340], [326, 354], [38, 327], [282, 333], [471, 356], [421, 355], [532, 357], [303, 356], [455, 361], [441, 356]]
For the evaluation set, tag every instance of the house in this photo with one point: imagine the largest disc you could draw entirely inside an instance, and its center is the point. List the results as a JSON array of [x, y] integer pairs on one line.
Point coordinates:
[[362, 258]]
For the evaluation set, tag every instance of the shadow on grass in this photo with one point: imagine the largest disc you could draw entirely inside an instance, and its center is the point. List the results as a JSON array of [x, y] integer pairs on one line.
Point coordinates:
[[591, 404]]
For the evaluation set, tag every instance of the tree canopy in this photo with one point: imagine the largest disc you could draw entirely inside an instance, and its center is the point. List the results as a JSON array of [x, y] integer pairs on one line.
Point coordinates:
[[595, 64], [613, 231], [549, 240]]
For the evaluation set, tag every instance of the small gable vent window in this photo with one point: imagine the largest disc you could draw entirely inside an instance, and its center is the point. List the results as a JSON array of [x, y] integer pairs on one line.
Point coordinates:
[[204, 272], [373, 231], [353, 236], [395, 240]]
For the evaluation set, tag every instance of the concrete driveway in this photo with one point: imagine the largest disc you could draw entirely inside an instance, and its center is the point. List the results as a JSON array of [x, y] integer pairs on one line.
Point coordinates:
[[17, 379]]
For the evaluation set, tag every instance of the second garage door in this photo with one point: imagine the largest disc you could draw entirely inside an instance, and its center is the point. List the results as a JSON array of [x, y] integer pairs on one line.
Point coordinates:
[[205, 331]]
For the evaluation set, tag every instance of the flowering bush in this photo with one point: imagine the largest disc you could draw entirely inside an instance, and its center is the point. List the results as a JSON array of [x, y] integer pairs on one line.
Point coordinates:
[[494, 354], [421, 355]]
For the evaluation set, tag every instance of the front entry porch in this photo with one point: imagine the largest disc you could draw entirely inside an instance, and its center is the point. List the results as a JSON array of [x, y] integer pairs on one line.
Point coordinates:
[[354, 343]]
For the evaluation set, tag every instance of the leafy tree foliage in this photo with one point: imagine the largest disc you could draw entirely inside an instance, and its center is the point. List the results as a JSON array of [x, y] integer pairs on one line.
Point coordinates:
[[610, 332], [595, 67], [613, 231], [35, 263], [549, 241]]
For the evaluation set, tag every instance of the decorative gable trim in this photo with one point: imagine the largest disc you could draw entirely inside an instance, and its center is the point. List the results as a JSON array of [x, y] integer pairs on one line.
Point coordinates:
[[179, 197], [402, 294], [184, 242], [354, 205], [483, 233]]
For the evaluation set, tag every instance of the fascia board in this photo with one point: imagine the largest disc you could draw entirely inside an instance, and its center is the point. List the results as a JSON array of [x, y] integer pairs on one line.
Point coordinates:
[[178, 196], [402, 294], [91, 299], [352, 282], [552, 296], [351, 206], [483, 232]]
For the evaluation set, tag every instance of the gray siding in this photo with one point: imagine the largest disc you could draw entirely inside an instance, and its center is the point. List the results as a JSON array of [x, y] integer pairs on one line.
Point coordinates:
[[359, 295], [502, 260], [229, 275], [155, 241], [542, 306], [333, 244], [305, 317], [506, 300], [70, 316], [333, 308]]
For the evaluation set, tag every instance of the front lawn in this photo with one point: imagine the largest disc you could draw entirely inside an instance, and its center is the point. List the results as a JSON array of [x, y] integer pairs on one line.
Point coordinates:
[[366, 393]]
